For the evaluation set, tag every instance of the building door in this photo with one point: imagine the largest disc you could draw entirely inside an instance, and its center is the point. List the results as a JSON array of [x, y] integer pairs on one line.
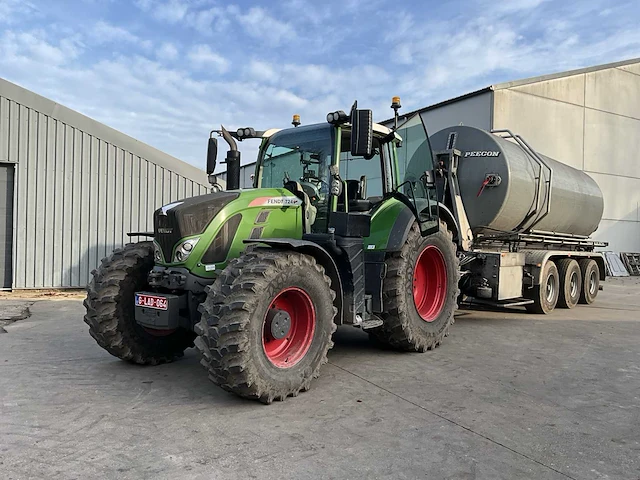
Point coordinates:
[[6, 223]]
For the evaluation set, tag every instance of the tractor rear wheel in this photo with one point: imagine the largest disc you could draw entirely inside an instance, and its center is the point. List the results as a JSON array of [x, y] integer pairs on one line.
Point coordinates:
[[420, 292], [111, 311], [266, 325]]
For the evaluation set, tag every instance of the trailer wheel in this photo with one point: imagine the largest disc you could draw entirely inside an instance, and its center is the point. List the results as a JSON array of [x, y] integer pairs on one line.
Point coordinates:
[[570, 282], [590, 280], [266, 325], [545, 295], [111, 311], [420, 292]]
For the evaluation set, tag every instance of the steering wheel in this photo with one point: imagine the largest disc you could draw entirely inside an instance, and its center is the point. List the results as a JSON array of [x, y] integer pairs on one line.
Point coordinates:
[[312, 191]]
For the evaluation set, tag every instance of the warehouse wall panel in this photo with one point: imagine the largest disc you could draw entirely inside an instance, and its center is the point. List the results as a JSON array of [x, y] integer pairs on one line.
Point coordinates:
[[79, 188], [611, 143], [551, 127], [565, 89], [614, 91]]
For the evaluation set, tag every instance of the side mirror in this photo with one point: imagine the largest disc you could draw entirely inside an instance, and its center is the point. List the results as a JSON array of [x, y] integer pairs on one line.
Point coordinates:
[[361, 133], [212, 155]]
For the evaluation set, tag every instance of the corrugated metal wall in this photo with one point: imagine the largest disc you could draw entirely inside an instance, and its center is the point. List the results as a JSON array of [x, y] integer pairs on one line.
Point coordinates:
[[77, 194]]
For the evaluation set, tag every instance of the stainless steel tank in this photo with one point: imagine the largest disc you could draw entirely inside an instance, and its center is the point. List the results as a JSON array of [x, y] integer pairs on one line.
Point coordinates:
[[500, 190]]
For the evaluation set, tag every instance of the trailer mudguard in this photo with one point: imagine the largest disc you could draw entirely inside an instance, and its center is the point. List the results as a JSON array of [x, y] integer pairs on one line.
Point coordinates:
[[537, 259]]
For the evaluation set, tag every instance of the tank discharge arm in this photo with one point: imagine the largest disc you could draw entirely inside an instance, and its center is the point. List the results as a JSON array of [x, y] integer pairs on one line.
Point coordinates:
[[451, 158]]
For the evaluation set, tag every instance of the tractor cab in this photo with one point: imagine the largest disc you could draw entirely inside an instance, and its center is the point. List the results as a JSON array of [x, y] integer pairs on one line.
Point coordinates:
[[336, 172]]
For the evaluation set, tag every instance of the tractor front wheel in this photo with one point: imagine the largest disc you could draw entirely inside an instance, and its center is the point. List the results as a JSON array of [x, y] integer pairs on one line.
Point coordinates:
[[266, 325], [420, 292], [110, 310]]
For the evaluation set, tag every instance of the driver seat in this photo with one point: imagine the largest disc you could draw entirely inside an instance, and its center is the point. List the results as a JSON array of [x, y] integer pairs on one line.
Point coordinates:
[[309, 212], [356, 193]]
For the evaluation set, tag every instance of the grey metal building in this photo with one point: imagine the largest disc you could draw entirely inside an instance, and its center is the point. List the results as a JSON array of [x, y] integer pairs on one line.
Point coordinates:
[[71, 188]]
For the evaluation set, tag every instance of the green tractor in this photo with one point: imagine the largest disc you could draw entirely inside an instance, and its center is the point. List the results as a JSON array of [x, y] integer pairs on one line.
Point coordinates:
[[258, 279]]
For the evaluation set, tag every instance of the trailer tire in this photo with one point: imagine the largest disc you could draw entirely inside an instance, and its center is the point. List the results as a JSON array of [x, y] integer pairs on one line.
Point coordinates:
[[238, 344], [590, 273], [545, 295], [419, 307], [110, 311], [570, 282]]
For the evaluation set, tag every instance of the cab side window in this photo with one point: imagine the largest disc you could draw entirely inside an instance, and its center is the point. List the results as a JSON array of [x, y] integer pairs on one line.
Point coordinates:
[[353, 169]]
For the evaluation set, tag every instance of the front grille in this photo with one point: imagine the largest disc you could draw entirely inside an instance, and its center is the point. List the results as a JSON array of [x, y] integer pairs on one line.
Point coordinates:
[[167, 234]]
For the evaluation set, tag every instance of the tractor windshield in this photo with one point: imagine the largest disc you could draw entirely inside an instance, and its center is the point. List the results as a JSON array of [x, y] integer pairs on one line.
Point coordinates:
[[301, 155]]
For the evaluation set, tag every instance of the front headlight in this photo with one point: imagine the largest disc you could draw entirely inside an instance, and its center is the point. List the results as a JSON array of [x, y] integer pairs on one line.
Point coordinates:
[[184, 250], [157, 253]]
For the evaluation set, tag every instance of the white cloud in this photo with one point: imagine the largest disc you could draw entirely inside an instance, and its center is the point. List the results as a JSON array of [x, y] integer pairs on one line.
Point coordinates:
[[104, 32], [35, 47], [172, 11], [11, 11], [167, 51], [258, 23], [201, 57], [208, 21]]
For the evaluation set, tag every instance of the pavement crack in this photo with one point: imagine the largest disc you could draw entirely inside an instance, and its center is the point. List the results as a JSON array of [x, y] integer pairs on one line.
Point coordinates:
[[453, 422]]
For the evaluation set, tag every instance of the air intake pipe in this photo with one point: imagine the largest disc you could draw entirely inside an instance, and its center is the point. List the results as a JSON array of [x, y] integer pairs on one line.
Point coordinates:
[[232, 161]]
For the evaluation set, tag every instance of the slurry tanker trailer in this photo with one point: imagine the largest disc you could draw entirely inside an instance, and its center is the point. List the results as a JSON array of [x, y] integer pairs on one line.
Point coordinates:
[[521, 221]]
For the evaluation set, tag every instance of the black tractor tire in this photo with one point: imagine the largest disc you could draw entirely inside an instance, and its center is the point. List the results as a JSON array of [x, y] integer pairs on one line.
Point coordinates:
[[545, 296], [590, 273], [110, 310], [404, 328], [570, 282], [235, 332]]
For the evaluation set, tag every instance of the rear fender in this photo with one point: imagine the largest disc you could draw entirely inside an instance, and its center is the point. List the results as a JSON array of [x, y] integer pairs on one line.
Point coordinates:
[[402, 226], [320, 254]]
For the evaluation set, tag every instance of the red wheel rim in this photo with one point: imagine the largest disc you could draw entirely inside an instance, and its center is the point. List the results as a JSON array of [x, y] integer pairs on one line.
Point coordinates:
[[430, 283], [287, 351]]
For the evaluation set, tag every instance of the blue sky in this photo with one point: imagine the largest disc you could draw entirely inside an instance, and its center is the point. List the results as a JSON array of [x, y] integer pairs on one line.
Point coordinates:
[[168, 71]]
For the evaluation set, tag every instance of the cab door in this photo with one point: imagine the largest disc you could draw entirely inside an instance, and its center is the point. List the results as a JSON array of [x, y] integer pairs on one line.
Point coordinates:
[[413, 167]]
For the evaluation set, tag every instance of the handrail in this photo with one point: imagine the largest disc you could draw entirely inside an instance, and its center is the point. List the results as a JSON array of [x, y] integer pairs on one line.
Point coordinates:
[[541, 163]]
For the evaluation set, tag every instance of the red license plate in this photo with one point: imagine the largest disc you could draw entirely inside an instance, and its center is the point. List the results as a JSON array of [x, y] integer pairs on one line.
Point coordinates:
[[151, 301]]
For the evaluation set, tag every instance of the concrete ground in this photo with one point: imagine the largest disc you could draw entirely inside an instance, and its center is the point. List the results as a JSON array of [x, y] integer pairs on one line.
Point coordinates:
[[507, 396]]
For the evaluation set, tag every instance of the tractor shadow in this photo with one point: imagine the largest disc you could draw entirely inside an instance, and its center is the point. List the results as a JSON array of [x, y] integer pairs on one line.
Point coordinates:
[[185, 381]]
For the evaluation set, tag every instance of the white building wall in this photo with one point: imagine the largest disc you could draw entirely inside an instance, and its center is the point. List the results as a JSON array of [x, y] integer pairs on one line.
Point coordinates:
[[590, 121]]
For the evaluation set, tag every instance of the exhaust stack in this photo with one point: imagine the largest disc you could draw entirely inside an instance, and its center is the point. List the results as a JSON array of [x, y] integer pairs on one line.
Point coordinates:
[[232, 161]]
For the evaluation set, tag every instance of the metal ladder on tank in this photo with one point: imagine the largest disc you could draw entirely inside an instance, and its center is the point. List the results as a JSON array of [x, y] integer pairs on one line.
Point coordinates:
[[534, 216]]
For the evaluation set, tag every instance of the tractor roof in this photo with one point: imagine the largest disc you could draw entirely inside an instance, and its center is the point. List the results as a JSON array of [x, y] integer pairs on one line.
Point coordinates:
[[377, 128]]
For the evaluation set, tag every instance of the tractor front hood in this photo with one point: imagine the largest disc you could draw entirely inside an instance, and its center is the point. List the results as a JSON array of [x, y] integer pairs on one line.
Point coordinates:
[[186, 218]]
